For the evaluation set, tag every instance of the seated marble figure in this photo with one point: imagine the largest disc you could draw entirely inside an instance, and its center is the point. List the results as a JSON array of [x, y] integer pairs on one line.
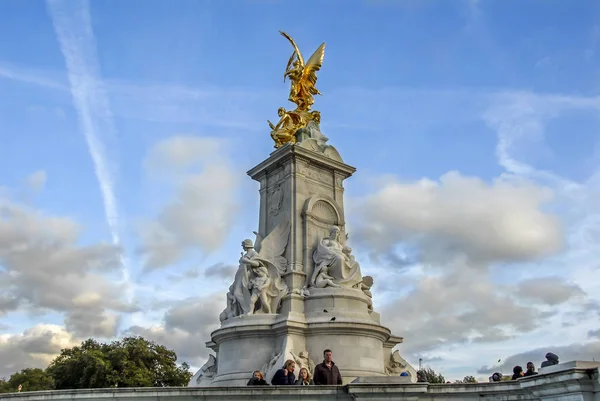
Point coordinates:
[[339, 267]]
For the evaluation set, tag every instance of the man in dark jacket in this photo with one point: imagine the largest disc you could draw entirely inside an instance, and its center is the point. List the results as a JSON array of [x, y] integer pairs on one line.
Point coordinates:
[[530, 370], [551, 359], [326, 373]]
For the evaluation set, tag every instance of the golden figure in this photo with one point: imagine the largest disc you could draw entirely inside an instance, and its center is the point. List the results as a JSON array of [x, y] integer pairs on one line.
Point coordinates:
[[303, 75], [303, 79], [285, 130]]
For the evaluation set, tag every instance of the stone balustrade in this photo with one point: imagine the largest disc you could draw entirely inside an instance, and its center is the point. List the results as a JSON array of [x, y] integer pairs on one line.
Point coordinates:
[[572, 381]]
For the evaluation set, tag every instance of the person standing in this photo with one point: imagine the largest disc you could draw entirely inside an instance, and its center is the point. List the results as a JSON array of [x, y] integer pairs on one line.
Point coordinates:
[[327, 373], [530, 370], [304, 379], [517, 372], [257, 379], [286, 375]]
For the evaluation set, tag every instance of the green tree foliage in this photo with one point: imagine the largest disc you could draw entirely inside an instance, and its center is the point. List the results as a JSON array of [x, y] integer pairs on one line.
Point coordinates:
[[469, 379], [131, 362], [29, 379], [432, 377]]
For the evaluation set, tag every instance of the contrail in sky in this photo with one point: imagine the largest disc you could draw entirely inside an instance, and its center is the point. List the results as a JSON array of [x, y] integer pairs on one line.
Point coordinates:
[[73, 26]]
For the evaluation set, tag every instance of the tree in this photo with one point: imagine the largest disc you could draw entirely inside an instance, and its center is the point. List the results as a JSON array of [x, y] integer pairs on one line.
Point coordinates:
[[31, 380], [469, 379], [432, 377], [131, 362], [4, 386]]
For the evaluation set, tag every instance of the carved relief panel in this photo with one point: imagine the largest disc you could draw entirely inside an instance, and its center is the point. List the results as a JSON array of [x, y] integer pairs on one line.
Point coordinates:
[[317, 174], [275, 200]]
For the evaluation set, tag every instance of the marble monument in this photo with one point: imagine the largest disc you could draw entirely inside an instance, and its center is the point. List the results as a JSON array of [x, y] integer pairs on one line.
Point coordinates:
[[299, 289]]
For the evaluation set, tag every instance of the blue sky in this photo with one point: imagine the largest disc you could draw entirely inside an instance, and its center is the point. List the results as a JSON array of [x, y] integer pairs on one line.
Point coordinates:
[[473, 125]]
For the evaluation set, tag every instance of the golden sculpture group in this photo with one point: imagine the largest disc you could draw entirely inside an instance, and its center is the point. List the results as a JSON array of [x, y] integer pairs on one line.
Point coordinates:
[[303, 79]]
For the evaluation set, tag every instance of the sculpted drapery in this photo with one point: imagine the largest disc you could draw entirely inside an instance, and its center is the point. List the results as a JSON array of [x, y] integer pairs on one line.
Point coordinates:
[[258, 286], [335, 262]]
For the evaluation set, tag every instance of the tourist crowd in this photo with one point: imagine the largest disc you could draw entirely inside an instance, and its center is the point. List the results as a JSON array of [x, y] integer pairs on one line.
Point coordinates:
[[325, 373], [551, 359]]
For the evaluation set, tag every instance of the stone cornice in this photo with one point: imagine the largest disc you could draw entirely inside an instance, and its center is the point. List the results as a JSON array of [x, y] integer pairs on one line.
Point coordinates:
[[285, 153]]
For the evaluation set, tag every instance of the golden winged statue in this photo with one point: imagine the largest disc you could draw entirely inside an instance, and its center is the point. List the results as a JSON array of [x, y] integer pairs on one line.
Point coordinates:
[[303, 79], [303, 75]]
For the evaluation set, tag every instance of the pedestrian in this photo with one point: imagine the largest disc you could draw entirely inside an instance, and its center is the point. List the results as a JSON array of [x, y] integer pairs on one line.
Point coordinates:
[[327, 373]]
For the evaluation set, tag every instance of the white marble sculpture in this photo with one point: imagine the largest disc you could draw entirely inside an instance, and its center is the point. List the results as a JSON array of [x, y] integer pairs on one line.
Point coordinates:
[[365, 285], [205, 374], [303, 361], [396, 365], [272, 365], [311, 137], [258, 286], [335, 266]]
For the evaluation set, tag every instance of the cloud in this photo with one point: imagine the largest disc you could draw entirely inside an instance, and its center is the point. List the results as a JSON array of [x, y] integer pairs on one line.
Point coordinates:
[[548, 290], [35, 347], [205, 204], [458, 237], [33, 77], [73, 26], [502, 221], [36, 181], [519, 118], [220, 270], [181, 152], [187, 326], [45, 269], [459, 227], [571, 352], [457, 307]]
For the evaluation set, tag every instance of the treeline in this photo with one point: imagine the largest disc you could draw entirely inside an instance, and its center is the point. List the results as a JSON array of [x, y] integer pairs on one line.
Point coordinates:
[[130, 362]]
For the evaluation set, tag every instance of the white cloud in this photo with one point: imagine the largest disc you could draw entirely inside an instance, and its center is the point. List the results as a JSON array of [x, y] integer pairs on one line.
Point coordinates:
[[187, 326], [501, 221], [73, 26], [43, 268], [35, 347], [181, 152], [548, 290], [458, 226], [29, 76], [37, 180], [205, 205], [484, 263]]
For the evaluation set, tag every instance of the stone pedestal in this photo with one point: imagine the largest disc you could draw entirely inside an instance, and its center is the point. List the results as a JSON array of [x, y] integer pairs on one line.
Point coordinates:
[[303, 184]]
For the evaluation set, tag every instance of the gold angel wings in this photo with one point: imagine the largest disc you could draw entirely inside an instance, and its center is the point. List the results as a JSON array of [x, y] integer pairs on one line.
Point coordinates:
[[303, 77]]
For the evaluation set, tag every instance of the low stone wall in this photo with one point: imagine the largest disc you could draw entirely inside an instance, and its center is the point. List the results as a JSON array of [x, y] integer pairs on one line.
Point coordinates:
[[573, 381]]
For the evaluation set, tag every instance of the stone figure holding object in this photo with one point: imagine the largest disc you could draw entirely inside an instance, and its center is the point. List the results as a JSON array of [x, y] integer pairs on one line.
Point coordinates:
[[258, 286], [323, 279], [395, 366], [337, 261], [303, 361]]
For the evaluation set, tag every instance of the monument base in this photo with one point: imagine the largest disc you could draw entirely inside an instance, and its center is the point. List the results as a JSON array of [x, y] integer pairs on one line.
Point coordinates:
[[338, 320]]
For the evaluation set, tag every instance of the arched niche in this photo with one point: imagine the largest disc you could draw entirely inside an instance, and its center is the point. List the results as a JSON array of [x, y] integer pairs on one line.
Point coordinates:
[[320, 213]]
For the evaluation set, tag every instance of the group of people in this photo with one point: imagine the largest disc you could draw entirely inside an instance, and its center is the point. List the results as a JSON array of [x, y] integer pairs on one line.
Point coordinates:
[[551, 359], [325, 373]]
